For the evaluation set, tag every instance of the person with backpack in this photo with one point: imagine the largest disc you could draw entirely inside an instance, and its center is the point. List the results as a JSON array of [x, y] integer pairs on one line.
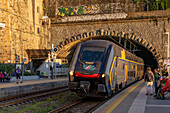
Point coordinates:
[[149, 78], [156, 80]]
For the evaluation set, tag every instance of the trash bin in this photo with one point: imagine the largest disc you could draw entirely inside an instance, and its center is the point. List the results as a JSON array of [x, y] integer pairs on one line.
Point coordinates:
[[42, 73]]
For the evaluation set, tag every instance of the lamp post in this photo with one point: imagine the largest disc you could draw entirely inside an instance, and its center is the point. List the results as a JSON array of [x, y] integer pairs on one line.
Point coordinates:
[[23, 58], [52, 65], [168, 64]]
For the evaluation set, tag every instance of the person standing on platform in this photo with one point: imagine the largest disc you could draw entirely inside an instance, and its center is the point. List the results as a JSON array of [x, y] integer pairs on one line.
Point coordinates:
[[159, 72], [149, 78], [166, 73], [1, 77], [156, 80], [39, 74], [18, 75]]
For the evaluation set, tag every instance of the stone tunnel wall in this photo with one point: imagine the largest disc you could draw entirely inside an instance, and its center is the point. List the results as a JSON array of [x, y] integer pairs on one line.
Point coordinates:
[[151, 30]]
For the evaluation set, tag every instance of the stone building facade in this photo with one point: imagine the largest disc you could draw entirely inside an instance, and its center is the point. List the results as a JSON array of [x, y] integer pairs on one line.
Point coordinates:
[[23, 29]]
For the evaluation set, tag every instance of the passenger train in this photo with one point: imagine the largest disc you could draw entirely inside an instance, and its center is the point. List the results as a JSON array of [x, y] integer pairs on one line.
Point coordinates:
[[100, 68]]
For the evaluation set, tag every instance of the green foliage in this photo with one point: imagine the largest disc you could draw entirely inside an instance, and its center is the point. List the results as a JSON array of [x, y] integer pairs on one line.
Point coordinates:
[[65, 11], [60, 95], [42, 106], [49, 99], [54, 98], [27, 74], [162, 6], [7, 68], [73, 94], [80, 10], [155, 4]]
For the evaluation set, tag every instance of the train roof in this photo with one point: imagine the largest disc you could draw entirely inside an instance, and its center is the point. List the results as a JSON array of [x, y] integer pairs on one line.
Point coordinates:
[[103, 43]]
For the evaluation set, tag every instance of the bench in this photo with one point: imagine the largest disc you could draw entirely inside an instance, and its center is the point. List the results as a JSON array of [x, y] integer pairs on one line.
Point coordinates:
[[5, 79]]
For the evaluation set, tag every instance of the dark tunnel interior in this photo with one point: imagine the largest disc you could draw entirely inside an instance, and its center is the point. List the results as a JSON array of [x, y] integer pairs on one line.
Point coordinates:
[[146, 55]]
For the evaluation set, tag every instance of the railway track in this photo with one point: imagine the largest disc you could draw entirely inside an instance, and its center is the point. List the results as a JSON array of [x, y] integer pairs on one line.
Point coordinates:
[[25, 98], [85, 105]]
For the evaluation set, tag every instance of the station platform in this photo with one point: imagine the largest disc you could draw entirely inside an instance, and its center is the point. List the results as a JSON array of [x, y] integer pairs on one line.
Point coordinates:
[[11, 88], [134, 100]]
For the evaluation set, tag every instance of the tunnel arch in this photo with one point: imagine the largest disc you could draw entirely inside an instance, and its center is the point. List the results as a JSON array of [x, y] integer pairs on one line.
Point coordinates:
[[67, 44]]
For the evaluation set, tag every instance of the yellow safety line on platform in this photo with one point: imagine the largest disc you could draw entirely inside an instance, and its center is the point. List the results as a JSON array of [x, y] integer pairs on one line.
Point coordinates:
[[116, 102]]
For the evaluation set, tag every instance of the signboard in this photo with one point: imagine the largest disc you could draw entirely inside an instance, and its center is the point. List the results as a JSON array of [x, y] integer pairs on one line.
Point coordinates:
[[44, 17], [2, 25], [168, 64], [165, 61], [18, 65], [46, 65], [58, 65], [25, 59]]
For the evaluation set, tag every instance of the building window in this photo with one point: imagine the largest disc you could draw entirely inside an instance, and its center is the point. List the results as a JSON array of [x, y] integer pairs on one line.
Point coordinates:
[[37, 9], [38, 30]]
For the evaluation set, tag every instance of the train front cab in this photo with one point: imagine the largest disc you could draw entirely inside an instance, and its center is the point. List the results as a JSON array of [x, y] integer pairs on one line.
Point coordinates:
[[87, 85]]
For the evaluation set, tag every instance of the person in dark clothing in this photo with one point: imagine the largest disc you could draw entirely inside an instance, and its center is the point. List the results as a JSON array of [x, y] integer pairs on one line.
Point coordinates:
[[156, 76], [166, 87], [18, 75], [149, 78], [166, 73], [160, 84], [6, 76], [1, 77], [39, 74]]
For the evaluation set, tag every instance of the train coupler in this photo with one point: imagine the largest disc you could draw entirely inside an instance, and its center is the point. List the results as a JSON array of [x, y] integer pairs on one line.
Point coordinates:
[[85, 86]]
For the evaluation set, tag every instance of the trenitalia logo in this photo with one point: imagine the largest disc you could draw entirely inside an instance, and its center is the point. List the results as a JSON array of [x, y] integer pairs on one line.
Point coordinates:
[[89, 67]]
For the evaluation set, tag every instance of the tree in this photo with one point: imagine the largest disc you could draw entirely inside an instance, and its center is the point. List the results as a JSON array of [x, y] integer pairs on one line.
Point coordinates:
[[146, 1]]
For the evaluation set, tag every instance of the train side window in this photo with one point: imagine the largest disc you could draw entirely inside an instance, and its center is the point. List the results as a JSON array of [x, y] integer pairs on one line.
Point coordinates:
[[138, 67]]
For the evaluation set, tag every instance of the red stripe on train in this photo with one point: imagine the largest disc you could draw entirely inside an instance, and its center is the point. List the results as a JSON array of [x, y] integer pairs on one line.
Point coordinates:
[[88, 76]]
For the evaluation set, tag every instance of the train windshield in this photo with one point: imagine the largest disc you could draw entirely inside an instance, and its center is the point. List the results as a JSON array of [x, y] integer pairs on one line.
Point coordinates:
[[92, 54]]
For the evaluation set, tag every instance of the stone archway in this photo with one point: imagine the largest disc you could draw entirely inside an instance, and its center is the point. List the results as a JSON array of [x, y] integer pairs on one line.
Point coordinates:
[[65, 46]]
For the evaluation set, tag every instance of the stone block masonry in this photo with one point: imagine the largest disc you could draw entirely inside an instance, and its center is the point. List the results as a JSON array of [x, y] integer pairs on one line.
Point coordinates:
[[23, 21]]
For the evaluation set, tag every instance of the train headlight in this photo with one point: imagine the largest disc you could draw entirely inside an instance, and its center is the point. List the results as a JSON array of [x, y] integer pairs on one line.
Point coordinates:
[[103, 75], [71, 73]]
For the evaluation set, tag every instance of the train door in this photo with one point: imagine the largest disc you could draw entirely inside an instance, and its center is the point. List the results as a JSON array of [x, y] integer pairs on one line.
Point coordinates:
[[126, 73], [136, 72]]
